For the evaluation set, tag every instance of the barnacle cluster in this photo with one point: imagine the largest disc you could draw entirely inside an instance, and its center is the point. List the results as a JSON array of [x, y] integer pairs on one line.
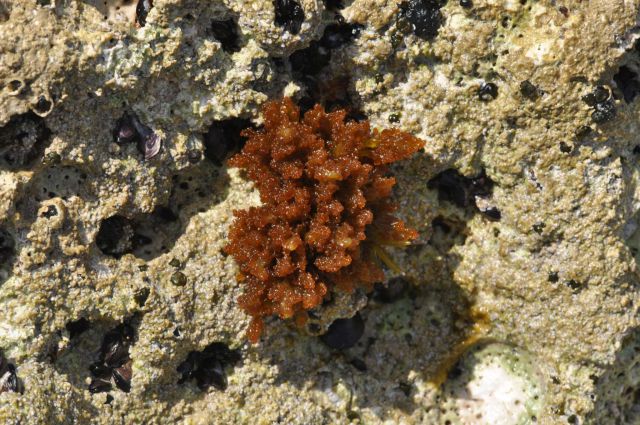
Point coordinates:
[[207, 367], [325, 212]]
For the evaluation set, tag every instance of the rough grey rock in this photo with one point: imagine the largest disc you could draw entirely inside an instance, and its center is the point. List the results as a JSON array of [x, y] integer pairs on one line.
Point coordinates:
[[552, 282]]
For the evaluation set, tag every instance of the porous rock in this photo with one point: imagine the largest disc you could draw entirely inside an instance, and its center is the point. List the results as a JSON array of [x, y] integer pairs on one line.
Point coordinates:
[[552, 282]]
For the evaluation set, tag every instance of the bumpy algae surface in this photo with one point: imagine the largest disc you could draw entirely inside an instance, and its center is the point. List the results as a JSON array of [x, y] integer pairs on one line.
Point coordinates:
[[533, 312]]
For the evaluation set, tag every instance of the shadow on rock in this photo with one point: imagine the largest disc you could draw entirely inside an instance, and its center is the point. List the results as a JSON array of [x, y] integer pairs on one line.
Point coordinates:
[[617, 391]]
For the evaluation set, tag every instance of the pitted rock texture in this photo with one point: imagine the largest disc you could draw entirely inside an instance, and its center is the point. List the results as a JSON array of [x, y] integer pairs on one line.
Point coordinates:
[[544, 263]]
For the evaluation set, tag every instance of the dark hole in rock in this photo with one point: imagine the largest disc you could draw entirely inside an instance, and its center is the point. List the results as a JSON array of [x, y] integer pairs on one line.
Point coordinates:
[[7, 254], [452, 187], [359, 364], [529, 91], [99, 370], [141, 240], [338, 34], [463, 191], [7, 247], [627, 81], [441, 224], [423, 16], [333, 94], [43, 105], [314, 328], [492, 213], [574, 285], [405, 388], [344, 333], [289, 15], [15, 85], [194, 156], [5, 12], [51, 211], [539, 227], [77, 327], [390, 291], [311, 60], [223, 139], [226, 32], [334, 4], [115, 237], [583, 131], [23, 140], [166, 213], [481, 185], [142, 10], [447, 232], [208, 366], [455, 372], [487, 92], [141, 296]]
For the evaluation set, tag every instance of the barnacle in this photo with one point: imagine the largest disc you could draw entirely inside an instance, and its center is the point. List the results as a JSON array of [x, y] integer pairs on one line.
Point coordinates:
[[325, 212]]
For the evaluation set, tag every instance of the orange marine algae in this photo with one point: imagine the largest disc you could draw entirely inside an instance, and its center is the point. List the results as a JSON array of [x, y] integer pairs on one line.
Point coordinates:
[[325, 212]]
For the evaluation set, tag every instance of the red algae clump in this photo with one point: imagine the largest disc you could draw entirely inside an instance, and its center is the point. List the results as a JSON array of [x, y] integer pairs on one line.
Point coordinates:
[[325, 213]]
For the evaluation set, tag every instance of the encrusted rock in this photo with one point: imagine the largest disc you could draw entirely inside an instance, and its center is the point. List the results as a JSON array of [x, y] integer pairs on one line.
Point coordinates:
[[529, 232]]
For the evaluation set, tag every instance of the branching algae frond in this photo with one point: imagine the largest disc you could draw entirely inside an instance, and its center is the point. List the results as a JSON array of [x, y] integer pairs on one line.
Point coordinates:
[[326, 210]]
